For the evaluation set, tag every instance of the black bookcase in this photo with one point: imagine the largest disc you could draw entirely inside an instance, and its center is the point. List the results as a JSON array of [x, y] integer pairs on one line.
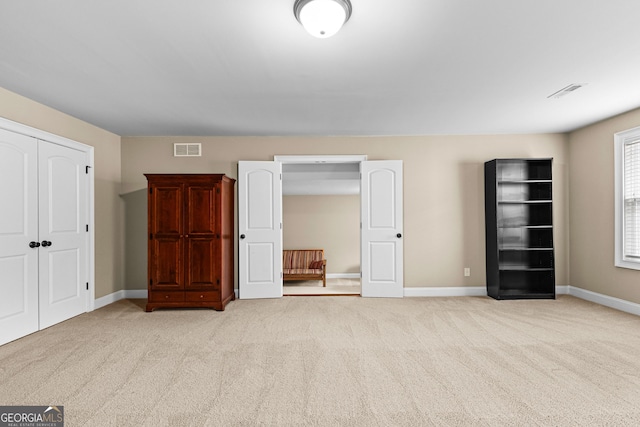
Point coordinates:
[[519, 228]]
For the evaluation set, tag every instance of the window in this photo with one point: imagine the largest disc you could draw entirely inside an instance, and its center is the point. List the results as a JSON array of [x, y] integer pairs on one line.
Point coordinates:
[[627, 208]]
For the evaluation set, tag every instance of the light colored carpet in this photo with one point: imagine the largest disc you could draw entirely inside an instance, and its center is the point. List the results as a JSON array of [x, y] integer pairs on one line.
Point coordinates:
[[335, 361], [314, 287]]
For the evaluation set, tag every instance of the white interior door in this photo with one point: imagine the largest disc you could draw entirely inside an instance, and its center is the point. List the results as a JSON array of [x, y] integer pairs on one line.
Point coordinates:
[[260, 229], [63, 233], [18, 228], [381, 235]]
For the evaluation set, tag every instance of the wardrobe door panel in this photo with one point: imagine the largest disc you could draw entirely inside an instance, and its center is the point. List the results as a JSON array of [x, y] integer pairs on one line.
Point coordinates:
[[166, 210], [202, 263], [165, 234], [166, 264], [201, 210]]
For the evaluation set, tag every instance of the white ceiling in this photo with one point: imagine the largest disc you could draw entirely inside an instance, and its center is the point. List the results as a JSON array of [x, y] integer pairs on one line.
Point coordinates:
[[398, 67]]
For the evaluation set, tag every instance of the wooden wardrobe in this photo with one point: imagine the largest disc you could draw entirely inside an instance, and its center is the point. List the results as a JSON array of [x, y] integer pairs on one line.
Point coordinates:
[[191, 235]]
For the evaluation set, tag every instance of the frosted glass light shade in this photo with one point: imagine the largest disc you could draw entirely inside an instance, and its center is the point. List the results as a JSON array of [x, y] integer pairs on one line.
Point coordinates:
[[322, 18]]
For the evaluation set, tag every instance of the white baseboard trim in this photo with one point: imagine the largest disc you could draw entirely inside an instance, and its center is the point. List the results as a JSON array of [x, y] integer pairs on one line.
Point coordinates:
[[460, 291], [117, 296], [607, 301], [108, 299], [343, 275]]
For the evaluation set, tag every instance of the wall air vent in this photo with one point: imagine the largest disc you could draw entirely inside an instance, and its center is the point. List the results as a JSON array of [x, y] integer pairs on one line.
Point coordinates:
[[566, 90], [187, 150]]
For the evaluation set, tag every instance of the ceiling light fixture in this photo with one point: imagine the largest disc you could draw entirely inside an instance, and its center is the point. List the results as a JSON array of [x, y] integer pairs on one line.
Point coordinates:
[[322, 18]]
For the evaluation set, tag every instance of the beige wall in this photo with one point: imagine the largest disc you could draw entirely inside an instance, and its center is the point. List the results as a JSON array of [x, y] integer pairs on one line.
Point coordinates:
[[443, 206], [331, 223], [591, 179], [443, 191], [108, 207]]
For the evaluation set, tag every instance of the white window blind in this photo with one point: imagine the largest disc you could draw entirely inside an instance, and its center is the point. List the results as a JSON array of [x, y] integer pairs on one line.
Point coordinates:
[[631, 191], [627, 198]]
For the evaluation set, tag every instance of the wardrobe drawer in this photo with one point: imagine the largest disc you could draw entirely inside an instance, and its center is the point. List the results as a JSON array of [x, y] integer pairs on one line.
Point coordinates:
[[159, 296], [195, 296]]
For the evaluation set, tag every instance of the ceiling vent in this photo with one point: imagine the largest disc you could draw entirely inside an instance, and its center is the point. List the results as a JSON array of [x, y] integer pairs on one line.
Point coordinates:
[[566, 90], [187, 150]]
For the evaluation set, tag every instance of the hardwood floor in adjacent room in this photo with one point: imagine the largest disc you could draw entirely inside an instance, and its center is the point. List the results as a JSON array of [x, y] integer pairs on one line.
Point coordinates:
[[314, 287]]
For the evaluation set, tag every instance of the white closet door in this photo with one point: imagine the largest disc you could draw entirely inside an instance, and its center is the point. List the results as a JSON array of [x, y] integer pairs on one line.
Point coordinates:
[[260, 229], [381, 235], [64, 240], [18, 228]]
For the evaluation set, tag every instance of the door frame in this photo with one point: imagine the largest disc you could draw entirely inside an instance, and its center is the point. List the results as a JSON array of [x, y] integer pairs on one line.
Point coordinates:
[[303, 160], [15, 127], [327, 159]]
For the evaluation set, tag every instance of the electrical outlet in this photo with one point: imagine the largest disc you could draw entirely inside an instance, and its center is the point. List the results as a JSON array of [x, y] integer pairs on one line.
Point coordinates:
[[467, 272]]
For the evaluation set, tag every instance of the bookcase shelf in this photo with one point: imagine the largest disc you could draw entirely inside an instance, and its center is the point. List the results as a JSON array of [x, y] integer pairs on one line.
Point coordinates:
[[519, 228]]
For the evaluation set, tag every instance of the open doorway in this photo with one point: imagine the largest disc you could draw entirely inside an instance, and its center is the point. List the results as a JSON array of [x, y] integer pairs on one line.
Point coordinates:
[[331, 223], [321, 210]]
